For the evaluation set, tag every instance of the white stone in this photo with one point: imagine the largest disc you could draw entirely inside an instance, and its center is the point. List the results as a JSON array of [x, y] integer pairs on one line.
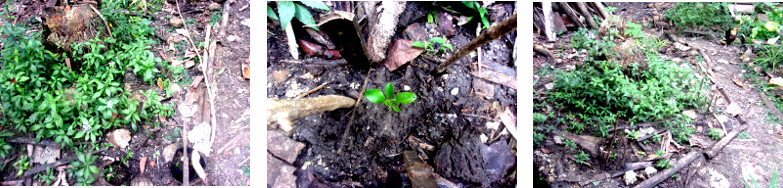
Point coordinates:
[[549, 86], [630, 177], [723, 61], [676, 60], [776, 81], [734, 109], [650, 171], [406, 88], [455, 91], [690, 113]]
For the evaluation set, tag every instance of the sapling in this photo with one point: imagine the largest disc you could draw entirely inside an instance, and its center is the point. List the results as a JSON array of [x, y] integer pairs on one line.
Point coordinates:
[[392, 101]]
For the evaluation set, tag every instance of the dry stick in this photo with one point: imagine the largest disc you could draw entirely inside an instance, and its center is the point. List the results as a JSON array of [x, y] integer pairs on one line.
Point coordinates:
[[43, 142], [586, 14], [571, 14], [715, 150], [738, 116], [494, 32], [601, 9], [773, 108], [312, 90], [542, 50], [186, 170], [660, 177], [209, 73], [186, 28], [359, 100], [104, 19], [611, 144], [719, 122], [224, 19]]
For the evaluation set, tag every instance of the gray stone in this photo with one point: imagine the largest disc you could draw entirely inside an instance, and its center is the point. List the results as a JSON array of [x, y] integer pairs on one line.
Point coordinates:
[[279, 174], [281, 146]]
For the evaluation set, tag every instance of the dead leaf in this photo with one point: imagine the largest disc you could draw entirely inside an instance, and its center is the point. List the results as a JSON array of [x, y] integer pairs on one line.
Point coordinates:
[[401, 52], [738, 83], [160, 83], [196, 81], [777, 81], [68, 63], [546, 151], [311, 49], [246, 71], [195, 158], [152, 163], [142, 162]]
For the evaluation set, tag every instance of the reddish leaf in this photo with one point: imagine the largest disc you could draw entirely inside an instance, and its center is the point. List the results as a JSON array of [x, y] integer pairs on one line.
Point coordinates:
[[311, 49], [401, 52]]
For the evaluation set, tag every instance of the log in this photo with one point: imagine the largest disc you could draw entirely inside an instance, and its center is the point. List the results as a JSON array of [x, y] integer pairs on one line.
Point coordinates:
[[601, 9], [550, 34], [494, 32], [587, 14], [571, 14], [715, 149], [282, 113], [745, 9], [769, 104], [542, 50], [662, 176]]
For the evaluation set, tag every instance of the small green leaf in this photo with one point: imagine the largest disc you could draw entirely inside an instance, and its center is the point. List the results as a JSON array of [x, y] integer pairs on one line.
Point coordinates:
[[286, 9], [389, 90], [449, 46], [469, 4], [374, 96], [316, 4], [396, 109], [438, 40], [271, 13], [304, 16], [429, 18], [418, 44], [405, 98]]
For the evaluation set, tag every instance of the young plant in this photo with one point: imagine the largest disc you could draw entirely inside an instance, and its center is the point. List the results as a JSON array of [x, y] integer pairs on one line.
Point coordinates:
[[538, 138], [434, 45], [481, 11], [288, 10], [582, 158], [432, 17], [22, 164], [715, 134], [84, 168], [392, 101], [663, 164], [539, 118], [108, 173], [46, 178]]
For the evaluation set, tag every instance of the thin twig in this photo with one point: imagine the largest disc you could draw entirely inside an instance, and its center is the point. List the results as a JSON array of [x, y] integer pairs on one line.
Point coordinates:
[[186, 162], [359, 100], [104, 20], [224, 17], [719, 122], [313, 90], [198, 53]]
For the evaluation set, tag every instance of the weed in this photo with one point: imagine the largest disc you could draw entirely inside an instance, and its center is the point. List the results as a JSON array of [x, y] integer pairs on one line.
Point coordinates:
[[769, 57], [549, 128], [46, 178], [22, 164], [245, 169], [434, 45], [663, 164], [613, 156], [391, 100], [715, 134], [84, 168], [700, 14], [481, 11], [582, 157], [108, 173], [537, 138], [743, 135], [539, 118], [570, 144], [659, 153], [288, 10], [656, 138], [215, 18], [432, 17]]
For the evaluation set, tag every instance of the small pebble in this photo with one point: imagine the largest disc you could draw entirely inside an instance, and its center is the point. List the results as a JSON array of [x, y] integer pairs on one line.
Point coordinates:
[[406, 88], [676, 60], [455, 91], [175, 22], [214, 6]]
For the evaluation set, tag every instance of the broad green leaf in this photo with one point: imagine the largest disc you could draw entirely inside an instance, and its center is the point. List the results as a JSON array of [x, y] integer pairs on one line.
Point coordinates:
[[438, 40], [449, 46], [286, 9], [387, 102], [418, 44], [405, 98], [374, 96], [79, 134], [271, 13], [316, 4], [389, 90], [469, 4], [304, 16], [484, 21], [396, 109], [429, 18], [80, 156]]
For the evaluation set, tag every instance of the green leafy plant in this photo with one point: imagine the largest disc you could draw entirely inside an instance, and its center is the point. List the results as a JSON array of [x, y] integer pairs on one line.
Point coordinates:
[[392, 101], [569, 144], [84, 169], [481, 11], [769, 57], [582, 157], [288, 10], [538, 138], [432, 17], [108, 172], [539, 118], [700, 14], [743, 135], [613, 156], [715, 134], [22, 164], [434, 45], [46, 178], [663, 164]]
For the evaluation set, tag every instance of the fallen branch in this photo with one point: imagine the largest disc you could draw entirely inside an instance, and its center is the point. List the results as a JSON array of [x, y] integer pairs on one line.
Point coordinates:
[[738, 116], [186, 28], [57, 163], [282, 113], [723, 127], [586, 14], [715, 150], [224, 17], [542, 50], [186, 168], [571, 14], [356, 104], [494, 32], [23, 140], [312, 90], [104, 19], [772, 107], [600, 7], [677, 166]]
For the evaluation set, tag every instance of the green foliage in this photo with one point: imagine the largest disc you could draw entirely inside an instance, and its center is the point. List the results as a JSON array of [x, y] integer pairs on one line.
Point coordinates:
[[539, 118], [769, 57], [581, 37], [432, 17], [214, 18], [434, 45], [22, 164], [538, 138], [700, 14], [481, 11], [245, 169], [743, 135], [582, 157], [569, 144], [288, 10], [108, 173], [663, 164], [387, 97], [83, 168], [47, 177], [715, 134], [634, 30]]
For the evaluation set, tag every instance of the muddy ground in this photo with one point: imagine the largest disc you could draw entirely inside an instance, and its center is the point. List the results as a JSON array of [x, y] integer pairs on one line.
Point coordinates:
[[231, 149], [449, 113], [757, 154]]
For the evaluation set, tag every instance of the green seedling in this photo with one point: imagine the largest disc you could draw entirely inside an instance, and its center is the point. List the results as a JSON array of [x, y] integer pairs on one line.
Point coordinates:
[[288, 10], [434, 45], [376, 96], [570, 144], [715, 134], [46, 178], [582, 158], [482, 12], [432, 17], [22, 164]]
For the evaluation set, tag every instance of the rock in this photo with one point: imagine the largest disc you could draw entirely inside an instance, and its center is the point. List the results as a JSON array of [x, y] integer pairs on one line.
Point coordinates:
[[168, 152], [175, 89], [176, 22], [282, 146], [650, 171], [213, 6], [189, 64], [690, 113], [734, 109], [455, 91], [498, 158], [406, 88], [462, 158], [777, 81], [745, 58], [47, 154], [279, 174], [681, 46], [483, 89], [723, 61], [558, 139], [694, 52], [119, 138], [722, 118], [676, 60], [232, 38], [141, 181], [630, 177], [550, 86]]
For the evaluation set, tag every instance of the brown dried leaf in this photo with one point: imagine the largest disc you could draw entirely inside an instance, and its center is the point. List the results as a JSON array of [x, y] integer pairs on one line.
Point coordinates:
[[160, 83], [246, 71], [739, 83], [401, 52], [142, 163]]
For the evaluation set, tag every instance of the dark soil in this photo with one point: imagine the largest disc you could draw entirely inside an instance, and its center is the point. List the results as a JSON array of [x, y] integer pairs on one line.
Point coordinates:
[[377, 137], [232, 101], [120, 174]]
